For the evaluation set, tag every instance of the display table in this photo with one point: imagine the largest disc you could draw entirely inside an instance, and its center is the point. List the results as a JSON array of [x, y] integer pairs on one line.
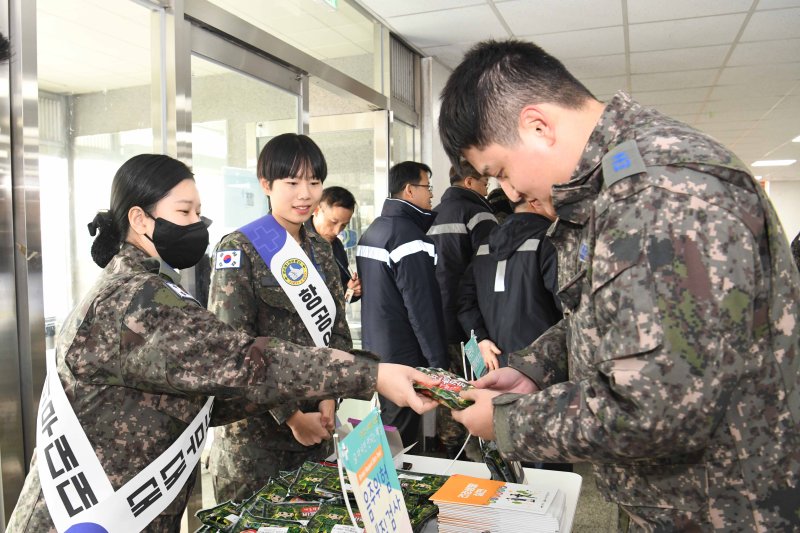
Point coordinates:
[[567, 482]]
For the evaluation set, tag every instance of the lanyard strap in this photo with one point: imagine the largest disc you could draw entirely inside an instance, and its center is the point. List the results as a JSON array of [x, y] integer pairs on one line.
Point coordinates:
[[296, 275], [77, 491]]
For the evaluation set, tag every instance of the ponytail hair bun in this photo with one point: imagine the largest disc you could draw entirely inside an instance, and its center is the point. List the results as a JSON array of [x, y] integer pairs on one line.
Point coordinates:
[[108, 238]]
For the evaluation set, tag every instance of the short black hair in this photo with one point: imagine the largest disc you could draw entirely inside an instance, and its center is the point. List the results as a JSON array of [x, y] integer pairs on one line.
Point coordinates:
[[288, 154], [404, 173], [483, 97], [457, 175], [338, 197]]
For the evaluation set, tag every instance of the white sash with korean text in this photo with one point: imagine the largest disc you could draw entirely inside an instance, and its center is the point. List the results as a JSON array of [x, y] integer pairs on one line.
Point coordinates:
[[77, 491], [296, 275]]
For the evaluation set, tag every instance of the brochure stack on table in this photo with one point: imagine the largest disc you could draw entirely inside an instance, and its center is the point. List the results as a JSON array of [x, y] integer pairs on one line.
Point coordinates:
[[469, 504], [567, 483]]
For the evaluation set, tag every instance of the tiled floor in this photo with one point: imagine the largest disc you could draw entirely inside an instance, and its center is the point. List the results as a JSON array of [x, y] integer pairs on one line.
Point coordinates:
[[594, 513]]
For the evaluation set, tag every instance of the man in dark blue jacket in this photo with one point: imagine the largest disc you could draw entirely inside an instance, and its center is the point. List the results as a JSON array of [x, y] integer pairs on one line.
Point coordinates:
[[508, 293], [463, 221], [401, 307]]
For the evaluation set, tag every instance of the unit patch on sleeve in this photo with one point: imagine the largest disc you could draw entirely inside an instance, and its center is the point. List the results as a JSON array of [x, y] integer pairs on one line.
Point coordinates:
[[228, 259]]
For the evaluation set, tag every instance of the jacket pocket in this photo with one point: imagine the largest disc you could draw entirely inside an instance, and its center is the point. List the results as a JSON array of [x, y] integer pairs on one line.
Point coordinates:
[[570, 293], [272, 294], [625, 307], [681, 487]]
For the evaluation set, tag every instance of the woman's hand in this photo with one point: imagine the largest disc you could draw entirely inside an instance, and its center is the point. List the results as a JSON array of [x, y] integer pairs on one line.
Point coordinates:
[[396, 382], [308, 428]]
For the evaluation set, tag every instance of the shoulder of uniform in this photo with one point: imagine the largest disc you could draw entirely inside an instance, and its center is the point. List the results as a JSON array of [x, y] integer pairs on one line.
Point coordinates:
[[622, 161], [235, 239], [153, 290], [229, 251]]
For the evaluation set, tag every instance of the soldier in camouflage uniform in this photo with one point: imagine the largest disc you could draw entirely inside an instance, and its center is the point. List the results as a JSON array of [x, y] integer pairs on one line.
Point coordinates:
[[139, 356], [675, 371], [245, 454]]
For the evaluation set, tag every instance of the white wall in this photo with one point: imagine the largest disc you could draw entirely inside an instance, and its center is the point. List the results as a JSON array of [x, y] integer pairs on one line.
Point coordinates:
[[432, 151], [785, 196]]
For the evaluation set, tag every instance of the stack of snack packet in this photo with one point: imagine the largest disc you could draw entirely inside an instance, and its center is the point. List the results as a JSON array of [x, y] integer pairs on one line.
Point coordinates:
[[310, 500]]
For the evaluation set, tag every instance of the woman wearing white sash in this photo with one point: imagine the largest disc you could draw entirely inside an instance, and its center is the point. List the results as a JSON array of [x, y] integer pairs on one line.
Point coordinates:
[[255, 299], [137, 360]]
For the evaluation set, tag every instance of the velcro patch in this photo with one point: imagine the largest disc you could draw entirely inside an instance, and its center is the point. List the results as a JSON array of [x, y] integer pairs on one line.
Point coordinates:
[[228, 259], [623, 161], [177, 289]]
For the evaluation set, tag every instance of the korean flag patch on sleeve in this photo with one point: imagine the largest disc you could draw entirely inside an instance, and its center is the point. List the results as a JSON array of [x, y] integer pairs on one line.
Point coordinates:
[[228, 259]]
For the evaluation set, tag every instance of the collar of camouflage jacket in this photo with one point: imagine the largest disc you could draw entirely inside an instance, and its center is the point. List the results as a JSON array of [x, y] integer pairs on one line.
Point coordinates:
[[132, 258], [573, 200]]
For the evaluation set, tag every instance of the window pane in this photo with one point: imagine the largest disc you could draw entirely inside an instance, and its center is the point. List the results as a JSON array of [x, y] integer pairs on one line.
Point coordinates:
[[341, 37], [94, 113], [228, 132]]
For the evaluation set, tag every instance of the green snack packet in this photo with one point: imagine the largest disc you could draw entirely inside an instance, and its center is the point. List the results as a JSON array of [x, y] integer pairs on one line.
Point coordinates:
[[272, 492], [330, 487], [446, 390], [307, 482], [221, 516], [420, 514], [416, 484], [297, 512], [251, 524], [330, 515]]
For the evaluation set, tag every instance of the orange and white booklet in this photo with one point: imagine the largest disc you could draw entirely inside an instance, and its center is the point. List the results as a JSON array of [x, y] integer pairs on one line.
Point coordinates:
[[474, 504]]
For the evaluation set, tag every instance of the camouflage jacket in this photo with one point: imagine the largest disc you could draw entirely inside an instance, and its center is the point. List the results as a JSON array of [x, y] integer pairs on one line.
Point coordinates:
[[249, 298], [680, 331], [137, 361]]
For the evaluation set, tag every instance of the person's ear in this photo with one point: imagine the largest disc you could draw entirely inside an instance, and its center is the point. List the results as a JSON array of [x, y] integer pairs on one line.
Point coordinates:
[[265, 186], [137, 219], [535, 123]]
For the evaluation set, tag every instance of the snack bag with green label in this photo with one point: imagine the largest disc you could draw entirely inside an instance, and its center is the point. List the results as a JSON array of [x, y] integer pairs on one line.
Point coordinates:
[[252, 524], [446, 389], [330, 515], [221, 516]]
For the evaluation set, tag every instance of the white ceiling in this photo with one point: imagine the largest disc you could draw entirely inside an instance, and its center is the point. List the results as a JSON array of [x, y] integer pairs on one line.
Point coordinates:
[[728, 67]]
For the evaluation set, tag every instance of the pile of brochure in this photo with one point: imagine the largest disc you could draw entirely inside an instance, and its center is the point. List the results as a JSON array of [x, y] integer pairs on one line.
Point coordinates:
[[468, 504]]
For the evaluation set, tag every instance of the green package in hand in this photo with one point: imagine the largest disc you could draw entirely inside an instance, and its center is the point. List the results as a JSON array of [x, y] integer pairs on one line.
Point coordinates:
[[445, 388]]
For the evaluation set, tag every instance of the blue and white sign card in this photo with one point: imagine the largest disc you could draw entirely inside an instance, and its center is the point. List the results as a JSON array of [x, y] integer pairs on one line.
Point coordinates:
[[365, 456]]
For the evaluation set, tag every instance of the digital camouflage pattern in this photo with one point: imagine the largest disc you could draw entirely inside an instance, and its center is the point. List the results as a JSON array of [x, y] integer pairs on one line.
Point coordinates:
[[681, 331], [138, 361], [246, 453]]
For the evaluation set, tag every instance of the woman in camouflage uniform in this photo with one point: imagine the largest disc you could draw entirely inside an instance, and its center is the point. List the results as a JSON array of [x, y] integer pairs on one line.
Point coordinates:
[[139, 356], [291, 171]]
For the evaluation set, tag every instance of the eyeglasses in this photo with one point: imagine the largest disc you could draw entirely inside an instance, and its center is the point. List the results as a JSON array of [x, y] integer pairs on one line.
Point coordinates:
[[429, 186]]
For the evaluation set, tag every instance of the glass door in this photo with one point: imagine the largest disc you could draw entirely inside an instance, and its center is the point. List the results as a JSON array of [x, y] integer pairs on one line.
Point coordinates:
[[235, 111], [356, 150]]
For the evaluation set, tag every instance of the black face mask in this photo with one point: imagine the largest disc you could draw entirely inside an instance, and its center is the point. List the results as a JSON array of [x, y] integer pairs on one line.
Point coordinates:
[[180, 246]]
